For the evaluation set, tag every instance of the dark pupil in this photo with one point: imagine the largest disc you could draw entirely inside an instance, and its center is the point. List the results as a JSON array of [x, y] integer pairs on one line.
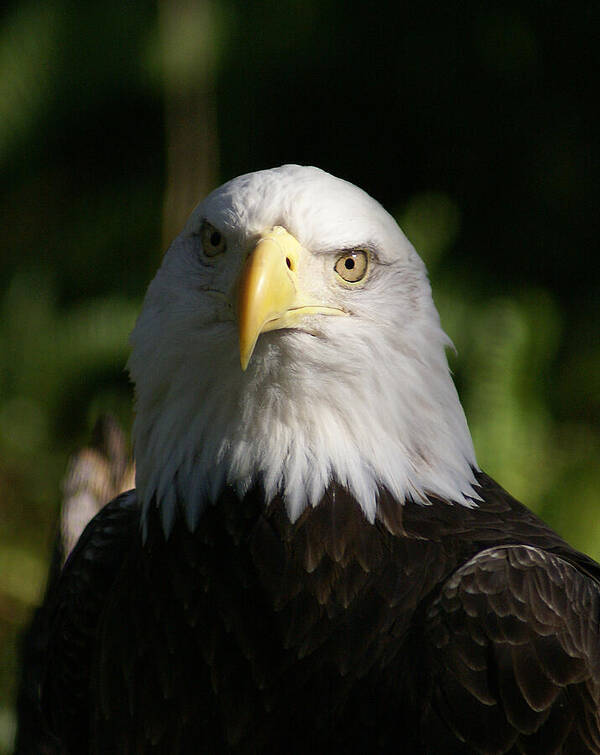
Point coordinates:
[[215, 238], [349, 263]]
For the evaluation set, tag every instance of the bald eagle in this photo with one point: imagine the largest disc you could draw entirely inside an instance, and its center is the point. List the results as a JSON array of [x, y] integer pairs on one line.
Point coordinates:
[[312, 560]]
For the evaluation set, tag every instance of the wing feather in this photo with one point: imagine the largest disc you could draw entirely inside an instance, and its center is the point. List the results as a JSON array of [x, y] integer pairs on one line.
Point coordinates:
[[515, 638], [74, 610]]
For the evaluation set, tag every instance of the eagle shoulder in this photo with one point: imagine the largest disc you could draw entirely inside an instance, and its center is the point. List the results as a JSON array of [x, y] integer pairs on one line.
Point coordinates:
[[73, 608], [513, 644]]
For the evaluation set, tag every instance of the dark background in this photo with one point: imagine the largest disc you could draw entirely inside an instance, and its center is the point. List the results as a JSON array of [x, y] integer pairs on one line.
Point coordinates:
[[474, 124]]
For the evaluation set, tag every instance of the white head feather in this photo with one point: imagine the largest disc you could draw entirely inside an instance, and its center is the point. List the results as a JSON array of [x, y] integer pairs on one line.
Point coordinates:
[[365, 400]]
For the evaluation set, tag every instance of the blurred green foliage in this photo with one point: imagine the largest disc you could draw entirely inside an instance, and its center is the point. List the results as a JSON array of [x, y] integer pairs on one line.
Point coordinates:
[[472, 123]]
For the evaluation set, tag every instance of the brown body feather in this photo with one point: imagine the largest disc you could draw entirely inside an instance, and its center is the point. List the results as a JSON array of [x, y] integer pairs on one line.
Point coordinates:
[[438, 629]]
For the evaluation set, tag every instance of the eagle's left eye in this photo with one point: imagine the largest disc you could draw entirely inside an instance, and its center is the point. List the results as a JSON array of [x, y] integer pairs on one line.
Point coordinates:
[[352, 266], [213, 241]]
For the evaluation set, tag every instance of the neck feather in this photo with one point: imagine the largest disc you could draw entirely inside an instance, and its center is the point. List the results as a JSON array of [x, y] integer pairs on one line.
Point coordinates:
[[387, 417]]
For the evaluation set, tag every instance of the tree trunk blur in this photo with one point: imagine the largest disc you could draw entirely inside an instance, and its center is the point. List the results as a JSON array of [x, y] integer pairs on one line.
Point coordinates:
[[189, 48]]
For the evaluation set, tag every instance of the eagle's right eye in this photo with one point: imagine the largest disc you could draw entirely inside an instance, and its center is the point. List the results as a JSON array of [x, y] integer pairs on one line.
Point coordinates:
[[213, 241], [352, 266]]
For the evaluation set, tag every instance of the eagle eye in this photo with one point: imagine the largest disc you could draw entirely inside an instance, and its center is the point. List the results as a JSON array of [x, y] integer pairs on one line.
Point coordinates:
[[352, 266], [213, 241]]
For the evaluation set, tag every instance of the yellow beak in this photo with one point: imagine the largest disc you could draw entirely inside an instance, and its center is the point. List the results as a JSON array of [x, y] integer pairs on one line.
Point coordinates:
[[268, 293]]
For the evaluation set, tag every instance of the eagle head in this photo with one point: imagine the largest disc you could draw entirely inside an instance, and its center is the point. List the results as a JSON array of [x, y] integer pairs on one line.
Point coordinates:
[[290, 340]]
